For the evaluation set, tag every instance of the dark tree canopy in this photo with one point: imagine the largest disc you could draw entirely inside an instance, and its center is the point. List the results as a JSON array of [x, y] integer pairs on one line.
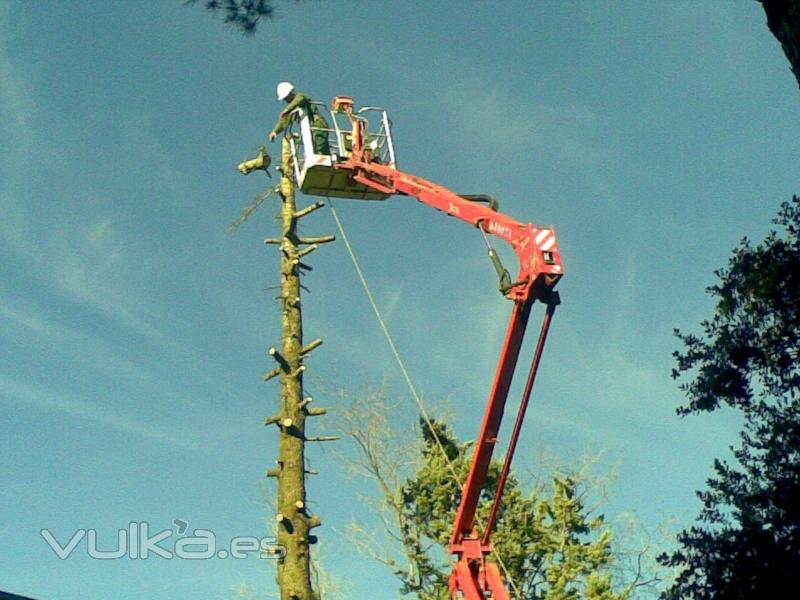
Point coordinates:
[[783, 20], [747, 540]]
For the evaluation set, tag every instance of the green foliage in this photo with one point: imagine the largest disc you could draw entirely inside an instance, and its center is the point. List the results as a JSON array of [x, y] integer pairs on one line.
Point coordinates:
[[551, 547], [244, 15], [747, 542]]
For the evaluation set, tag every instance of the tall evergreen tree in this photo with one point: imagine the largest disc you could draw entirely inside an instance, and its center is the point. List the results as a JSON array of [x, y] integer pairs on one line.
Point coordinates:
[[747, 541]]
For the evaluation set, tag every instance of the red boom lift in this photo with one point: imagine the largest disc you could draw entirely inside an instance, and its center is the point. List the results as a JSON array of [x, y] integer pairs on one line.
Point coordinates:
[[361, 165]]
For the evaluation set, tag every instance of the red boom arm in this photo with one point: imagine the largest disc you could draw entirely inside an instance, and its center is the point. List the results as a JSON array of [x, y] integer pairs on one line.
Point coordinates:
[[540, 269], [539, 259]]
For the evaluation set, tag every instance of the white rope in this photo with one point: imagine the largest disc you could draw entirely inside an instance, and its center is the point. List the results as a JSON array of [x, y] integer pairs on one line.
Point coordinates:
[[377, 311], [417, 398]]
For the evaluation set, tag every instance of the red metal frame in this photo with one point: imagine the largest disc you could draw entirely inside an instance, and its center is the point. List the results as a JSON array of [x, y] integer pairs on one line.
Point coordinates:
[[540, 268], [539, 258]]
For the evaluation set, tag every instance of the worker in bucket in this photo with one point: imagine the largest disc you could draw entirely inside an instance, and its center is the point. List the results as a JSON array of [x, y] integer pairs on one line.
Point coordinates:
[[294, 100]]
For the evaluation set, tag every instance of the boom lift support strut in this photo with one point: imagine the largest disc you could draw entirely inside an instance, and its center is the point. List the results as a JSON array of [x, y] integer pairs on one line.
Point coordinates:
[[540, 268]]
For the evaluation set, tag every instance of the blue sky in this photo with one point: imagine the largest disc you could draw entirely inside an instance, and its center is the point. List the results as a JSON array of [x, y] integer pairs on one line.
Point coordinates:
[[652, 135]]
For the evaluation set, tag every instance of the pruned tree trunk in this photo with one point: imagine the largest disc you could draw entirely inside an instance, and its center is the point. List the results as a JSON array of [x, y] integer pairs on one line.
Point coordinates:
[[294, 523]]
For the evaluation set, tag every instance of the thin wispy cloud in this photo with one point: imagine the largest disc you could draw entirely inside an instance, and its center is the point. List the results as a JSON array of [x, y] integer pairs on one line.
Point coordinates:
[[39, 398], [16, 136], [84, 256], [30, 325], [77, 257], [524, 132]]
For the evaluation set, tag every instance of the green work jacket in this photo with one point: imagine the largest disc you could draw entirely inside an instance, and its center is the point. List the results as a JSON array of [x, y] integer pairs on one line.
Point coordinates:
[[304, 102], [316, 119]]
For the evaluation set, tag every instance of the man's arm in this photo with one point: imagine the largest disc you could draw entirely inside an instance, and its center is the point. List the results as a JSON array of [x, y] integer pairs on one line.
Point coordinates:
[[283, 119]]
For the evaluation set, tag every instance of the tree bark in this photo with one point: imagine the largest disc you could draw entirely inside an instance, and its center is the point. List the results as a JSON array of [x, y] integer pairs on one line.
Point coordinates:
[[294, 569]]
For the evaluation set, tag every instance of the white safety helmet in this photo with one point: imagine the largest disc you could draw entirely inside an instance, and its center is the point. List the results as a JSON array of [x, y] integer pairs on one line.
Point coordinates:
[[284, 89]]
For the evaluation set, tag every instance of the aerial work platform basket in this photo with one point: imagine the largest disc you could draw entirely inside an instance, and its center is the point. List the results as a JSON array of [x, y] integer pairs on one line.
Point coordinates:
[[316, 149]]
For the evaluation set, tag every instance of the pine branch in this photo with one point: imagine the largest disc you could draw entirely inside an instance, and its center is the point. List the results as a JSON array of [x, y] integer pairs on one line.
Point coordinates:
[[250, 209], [244, 15]]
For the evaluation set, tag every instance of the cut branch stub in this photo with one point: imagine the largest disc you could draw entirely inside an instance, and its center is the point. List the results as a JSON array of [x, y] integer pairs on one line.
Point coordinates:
[[274, 353], [296, 264], [311, 346], [273, 373], [314, 521], [308, 209], [324, 438], [276, 470], [307, 250], [318, 240]]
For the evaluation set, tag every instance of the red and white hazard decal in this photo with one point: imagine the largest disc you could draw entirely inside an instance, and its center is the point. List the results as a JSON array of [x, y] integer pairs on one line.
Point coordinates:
[[545, 239]]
